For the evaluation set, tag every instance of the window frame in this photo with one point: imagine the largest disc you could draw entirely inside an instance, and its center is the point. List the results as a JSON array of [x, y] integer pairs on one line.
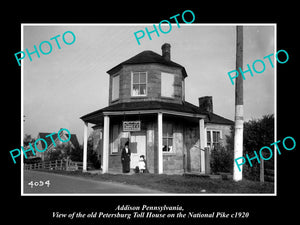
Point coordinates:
[[211, 145], [168, 136], [172, 85], [112, 88], [116, 142], [146, 84]]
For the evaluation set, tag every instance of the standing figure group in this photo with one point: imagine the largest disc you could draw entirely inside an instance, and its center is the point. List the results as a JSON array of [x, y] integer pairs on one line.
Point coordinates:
[[125, 159]]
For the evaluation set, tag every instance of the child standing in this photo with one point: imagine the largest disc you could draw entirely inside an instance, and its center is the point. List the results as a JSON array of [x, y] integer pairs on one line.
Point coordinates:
[[142, 164]]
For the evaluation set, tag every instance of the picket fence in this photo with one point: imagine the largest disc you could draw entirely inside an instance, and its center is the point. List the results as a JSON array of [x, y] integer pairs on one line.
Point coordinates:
[[63, 164]]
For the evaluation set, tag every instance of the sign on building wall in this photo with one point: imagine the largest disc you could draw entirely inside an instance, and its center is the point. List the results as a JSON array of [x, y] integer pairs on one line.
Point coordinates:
[[132, 125]]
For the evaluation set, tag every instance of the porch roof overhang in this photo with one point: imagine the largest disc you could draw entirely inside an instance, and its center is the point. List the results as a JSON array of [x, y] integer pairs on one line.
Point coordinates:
[[185, 109]]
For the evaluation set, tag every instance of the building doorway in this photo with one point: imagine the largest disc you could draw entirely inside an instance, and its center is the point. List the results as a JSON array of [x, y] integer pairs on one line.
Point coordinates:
[[137, 147]]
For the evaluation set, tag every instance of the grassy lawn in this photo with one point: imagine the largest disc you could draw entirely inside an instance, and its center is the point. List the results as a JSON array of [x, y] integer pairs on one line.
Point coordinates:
[[179, 183]]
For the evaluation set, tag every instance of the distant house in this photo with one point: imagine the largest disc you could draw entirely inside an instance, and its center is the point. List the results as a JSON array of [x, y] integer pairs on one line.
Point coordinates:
[[63, 135], [147, 107]]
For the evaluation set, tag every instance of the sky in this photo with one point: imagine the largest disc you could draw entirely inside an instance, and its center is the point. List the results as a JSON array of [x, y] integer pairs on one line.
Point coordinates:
[[70, 82]]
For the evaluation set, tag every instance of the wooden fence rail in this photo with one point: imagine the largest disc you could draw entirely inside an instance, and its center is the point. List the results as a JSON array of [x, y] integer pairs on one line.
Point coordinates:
[[266, 174], [62, 164]]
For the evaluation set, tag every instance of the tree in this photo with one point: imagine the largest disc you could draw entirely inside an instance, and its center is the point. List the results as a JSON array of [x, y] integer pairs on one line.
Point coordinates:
[[65, 150], [92, 156], [76, 153], [62, 151], [257, 133], [26, 140]]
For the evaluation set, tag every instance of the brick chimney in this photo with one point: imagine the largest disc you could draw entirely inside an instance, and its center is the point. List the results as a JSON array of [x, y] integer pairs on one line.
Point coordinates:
[[206, 103], [166, 51]]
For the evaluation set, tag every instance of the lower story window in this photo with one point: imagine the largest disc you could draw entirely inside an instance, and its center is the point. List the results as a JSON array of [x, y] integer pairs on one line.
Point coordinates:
[[213, 138], [167, 137], [167, 144], [115, 139]]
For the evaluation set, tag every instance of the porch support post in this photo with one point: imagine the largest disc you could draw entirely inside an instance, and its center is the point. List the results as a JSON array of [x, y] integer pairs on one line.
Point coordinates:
[[85, 140], [160, 139], [202, 145], [105, 153]]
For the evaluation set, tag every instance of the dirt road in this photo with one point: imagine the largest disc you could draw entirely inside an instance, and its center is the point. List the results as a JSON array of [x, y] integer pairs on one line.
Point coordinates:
[[62, 184]]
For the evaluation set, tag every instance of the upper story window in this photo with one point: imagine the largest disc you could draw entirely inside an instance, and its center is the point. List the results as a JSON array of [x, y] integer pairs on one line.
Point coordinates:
[[167, 85], [115, 87], [139, 84]]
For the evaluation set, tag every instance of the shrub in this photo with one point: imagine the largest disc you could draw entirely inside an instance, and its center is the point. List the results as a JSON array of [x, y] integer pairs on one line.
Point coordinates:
[[221, 160], [92, 157]]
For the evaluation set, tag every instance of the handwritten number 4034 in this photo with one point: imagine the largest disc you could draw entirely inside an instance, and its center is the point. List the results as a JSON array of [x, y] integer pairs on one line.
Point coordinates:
[[39, 183]]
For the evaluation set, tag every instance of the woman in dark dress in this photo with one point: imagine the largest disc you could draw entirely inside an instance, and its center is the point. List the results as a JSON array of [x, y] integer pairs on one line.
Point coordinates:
[[125, 158]]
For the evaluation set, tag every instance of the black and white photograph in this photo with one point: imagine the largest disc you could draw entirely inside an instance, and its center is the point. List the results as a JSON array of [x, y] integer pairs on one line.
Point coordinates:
[[147, 114]]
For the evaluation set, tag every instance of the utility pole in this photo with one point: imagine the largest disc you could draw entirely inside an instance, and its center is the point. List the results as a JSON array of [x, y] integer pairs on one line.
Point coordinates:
[[239, 106]]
